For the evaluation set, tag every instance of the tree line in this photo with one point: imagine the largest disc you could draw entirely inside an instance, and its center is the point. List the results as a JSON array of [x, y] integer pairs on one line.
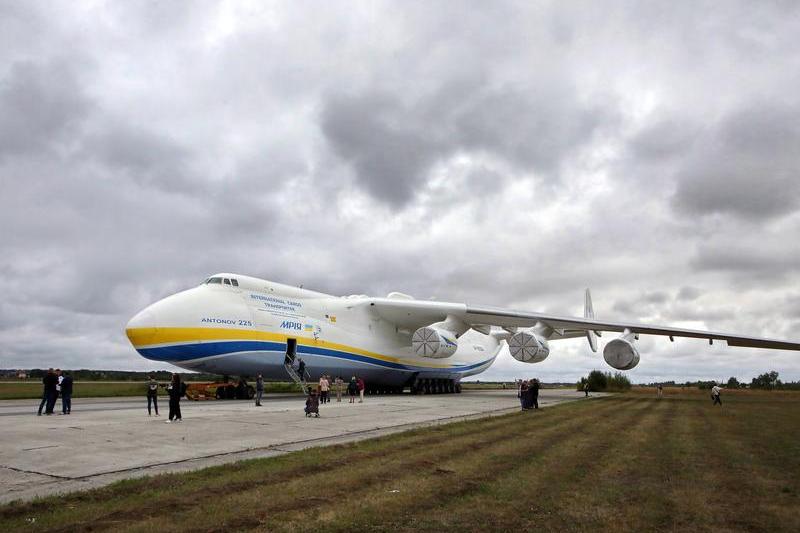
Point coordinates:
[[766, 381], [113, 375]]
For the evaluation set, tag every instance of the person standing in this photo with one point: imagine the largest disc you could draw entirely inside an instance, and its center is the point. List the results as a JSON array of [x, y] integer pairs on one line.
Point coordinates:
[[361, 387], [352, 389], [715, 395], [52, 392], [259, 390], [324, 388], [660, 390], [535, 393], [152, 395], [66, 394], [43, 403], [339, 384], [301, 369], [59, 377], [175, 391], [523, 395], [586, 389]]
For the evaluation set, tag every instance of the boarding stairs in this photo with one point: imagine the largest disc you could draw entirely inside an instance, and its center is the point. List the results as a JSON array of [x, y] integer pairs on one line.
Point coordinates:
[[296, 377]]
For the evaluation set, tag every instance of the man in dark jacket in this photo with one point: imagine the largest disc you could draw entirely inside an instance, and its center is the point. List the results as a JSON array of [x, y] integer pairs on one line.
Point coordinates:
[[43, 403], [176, 389], [535, 393], [259, 390], [50, 384], [66, 394]]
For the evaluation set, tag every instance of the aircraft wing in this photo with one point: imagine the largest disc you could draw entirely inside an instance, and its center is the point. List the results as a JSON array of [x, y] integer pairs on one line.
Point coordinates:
[[418, 313]]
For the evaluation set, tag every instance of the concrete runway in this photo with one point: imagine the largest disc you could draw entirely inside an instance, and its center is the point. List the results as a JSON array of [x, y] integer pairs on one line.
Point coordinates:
[[105, 440]]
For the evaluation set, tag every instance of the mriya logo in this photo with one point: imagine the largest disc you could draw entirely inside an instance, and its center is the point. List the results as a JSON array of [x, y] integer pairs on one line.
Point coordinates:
[[288, 324]]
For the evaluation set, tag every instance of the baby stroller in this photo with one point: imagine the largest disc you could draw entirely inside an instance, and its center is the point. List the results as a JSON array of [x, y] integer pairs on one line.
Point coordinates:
[[312, 404]]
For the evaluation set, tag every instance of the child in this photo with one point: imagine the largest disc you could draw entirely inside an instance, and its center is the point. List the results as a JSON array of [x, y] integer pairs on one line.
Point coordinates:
[[312, 404]]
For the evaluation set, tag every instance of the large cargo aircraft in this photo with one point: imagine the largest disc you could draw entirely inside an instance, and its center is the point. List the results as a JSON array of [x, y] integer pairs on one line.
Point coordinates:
[[240, 325]]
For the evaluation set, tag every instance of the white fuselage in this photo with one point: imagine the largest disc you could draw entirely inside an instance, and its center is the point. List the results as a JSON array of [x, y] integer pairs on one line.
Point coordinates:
[[247, 329]]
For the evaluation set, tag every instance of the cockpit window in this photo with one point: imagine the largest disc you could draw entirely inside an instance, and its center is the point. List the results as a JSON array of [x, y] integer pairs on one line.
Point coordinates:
[[227, 281], [214, 280], [235, 282]]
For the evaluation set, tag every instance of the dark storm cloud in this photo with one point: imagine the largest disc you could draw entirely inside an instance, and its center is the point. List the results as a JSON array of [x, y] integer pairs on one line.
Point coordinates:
[[145, 156], [380, 138], [393, 144], [664, 140], [746, 165], [41, 103], [746, 258], [689, 294]]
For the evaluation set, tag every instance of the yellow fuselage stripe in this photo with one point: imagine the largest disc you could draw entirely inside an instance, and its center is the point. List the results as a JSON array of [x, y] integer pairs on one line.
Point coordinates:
[[144, 337]]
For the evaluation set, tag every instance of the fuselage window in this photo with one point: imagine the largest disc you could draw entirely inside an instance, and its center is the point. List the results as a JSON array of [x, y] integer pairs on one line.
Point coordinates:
[[227, 281], [234, 282], [214, 280]]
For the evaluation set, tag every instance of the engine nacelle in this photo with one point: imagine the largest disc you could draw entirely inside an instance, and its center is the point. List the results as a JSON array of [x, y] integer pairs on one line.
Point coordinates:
[[431, 341], [621, 353], [528, 347]]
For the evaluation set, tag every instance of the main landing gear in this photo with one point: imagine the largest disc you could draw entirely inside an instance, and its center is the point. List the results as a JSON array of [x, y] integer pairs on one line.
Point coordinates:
[[420, 386], [436, 386]]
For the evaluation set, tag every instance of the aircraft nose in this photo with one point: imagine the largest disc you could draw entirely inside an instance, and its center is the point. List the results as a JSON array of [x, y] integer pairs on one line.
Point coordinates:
[[142, 328]]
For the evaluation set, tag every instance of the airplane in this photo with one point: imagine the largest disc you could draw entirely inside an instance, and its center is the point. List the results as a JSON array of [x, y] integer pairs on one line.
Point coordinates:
[[240, 325]]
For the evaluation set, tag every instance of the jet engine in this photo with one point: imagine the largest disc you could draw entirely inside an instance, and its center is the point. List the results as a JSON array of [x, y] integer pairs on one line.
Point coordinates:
[[621, 353], [431, 341], [528, 347]]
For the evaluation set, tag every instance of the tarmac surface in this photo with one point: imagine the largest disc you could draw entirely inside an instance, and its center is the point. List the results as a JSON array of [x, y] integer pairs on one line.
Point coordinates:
[[105, 440]]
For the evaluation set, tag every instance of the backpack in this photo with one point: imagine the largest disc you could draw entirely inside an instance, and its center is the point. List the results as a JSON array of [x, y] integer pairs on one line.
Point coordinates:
[[183, 388]]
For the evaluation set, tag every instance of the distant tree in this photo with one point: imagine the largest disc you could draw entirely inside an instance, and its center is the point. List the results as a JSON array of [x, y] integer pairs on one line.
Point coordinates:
[[733, 383], [767, 381], [605, 381], [598, 381], [617, 382]]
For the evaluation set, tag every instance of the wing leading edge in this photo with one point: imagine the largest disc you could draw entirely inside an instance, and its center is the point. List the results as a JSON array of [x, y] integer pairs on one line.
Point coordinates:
[[419, 313], [509, 318]]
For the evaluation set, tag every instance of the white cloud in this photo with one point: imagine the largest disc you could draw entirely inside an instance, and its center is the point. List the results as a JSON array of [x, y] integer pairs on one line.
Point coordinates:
[[539, 149]]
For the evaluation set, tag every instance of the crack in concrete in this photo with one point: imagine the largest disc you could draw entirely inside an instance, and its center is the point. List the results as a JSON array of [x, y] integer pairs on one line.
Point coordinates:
[[23, 471]]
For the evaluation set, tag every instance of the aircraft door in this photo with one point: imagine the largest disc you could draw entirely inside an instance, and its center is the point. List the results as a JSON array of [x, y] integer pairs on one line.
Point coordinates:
[[291, 352]]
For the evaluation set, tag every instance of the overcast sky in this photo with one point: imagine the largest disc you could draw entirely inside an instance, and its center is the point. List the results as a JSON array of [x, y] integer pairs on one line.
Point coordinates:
[[497, 153]]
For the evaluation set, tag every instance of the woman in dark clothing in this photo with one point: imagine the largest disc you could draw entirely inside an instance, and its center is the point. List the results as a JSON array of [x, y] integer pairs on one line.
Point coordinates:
[[352, 389], [175, 391]]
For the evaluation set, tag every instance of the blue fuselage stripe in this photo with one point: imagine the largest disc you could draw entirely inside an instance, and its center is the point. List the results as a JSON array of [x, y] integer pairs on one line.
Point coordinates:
[[187, 352]]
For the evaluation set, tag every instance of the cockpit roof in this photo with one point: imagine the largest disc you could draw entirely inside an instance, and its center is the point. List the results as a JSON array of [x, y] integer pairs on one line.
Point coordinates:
[[261, 285]]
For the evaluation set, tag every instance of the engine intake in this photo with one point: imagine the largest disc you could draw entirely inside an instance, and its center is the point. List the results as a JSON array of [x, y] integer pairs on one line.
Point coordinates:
[[621, 353], [434, 342], [528, 347]]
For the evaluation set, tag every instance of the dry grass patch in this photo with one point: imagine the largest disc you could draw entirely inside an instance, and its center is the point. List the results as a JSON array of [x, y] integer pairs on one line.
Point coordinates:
[[627, 462]]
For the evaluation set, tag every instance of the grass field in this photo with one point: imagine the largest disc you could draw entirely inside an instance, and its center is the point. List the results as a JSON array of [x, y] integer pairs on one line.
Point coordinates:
[[626, 462], [17, 390]]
